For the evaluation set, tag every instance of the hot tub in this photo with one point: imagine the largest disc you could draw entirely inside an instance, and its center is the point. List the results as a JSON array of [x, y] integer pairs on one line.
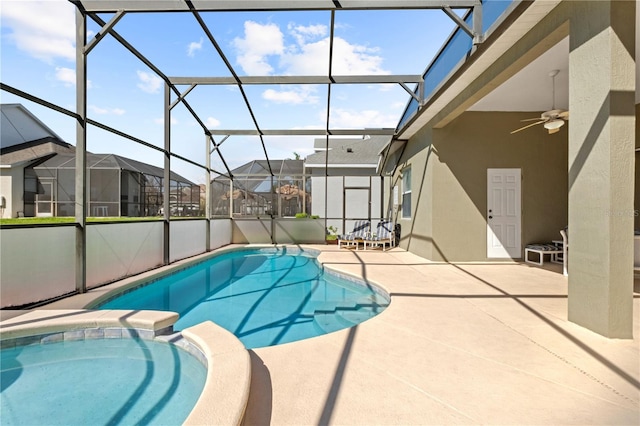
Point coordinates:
[[115, 367]]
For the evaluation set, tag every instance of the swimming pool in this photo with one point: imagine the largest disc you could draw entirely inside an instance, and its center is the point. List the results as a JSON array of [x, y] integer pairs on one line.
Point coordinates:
[[99, 381], [264, 296]]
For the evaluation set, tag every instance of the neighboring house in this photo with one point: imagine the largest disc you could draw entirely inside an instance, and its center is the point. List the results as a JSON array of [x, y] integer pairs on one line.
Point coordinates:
[[24, 141], [38, 176], [259, 188], [352, 184], [350, 188]]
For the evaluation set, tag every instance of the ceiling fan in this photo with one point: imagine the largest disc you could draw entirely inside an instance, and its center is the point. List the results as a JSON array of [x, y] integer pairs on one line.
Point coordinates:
[[552, 119]]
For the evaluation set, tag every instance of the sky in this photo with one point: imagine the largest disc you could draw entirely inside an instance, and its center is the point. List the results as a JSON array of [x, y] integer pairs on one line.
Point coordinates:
[[37, 53]]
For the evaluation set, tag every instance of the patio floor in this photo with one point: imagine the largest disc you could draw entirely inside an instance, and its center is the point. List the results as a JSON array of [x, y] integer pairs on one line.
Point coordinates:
[[459, 344]]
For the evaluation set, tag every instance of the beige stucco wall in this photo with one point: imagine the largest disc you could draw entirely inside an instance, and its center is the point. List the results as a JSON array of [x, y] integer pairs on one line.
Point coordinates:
[[11, 188], [637, 182], [450, 203]]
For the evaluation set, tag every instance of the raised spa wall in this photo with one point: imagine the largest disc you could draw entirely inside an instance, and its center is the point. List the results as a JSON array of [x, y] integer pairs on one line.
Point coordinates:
[[226, 391]]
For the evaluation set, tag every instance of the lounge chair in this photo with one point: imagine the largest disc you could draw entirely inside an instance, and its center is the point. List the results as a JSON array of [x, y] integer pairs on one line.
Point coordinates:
[[384, 236], [361, 229], [542, 249]]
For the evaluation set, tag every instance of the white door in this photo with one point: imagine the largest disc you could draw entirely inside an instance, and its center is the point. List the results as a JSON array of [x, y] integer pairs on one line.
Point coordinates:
[[503, 214]]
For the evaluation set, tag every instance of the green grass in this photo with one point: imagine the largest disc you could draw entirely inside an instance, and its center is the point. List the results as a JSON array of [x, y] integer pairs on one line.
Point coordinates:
[[48, 220], [35, 220]]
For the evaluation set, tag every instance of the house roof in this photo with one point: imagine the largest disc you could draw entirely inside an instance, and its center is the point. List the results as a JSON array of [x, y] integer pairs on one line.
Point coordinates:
[[108, 161], [255, 177], [27, 139], [24, 138], [19, 126], [32, 151], [363, 152], [261, 168]]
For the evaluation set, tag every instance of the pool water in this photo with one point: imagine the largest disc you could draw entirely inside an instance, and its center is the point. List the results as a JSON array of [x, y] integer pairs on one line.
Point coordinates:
[[264, 296], [99, 382]]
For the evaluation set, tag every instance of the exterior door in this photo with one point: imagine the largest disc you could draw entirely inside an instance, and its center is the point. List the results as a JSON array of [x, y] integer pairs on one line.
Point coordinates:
[[504, 233], [44, 201]]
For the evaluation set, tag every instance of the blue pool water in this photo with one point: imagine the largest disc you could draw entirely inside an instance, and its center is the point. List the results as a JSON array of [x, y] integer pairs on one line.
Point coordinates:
[[264, 296], [99, 382]]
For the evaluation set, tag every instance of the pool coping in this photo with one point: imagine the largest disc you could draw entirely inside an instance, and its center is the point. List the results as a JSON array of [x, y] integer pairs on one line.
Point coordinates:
[[225, 395]]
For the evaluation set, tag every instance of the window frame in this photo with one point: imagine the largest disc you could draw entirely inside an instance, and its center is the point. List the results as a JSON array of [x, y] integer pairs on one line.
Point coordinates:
[[406, 194]]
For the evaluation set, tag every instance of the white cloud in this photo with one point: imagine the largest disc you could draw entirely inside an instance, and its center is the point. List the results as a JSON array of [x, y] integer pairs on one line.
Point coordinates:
[[193, 47], [304, 34], [149, 83], [259, 42], [346, 119], [312, 58], [211, 122], [68, 77], [104, 111], [296, 95], [307, 59], [44, 29], [353, 59]]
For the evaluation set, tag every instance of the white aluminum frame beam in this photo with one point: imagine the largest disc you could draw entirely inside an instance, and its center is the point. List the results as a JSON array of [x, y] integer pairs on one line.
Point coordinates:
[[292, 79], [111, 6], [304, 132]]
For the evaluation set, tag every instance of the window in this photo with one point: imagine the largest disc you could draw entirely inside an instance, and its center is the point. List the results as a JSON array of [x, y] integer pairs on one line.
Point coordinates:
[[406, 193]]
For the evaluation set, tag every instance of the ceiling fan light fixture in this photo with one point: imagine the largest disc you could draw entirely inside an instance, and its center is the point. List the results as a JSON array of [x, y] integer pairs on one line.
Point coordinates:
[[556, 123]]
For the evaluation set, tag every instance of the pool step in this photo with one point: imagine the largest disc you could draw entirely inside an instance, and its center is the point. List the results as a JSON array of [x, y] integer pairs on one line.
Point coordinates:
[[333, 306], [329, 322], [332, 316]]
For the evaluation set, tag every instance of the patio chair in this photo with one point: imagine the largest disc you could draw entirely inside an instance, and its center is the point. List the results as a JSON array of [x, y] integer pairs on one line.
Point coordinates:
[[384, 236], [565, 247], [361, 230]]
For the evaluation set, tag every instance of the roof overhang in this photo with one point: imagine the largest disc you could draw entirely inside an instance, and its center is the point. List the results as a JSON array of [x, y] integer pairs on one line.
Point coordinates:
[[490, 51]]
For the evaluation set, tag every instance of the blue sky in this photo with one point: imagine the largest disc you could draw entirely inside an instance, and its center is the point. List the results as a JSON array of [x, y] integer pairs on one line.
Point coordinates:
[[38, 57]]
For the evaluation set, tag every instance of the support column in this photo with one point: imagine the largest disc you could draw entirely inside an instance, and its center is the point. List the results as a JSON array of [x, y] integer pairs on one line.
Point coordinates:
[[207, 191], [601, 166], [81, 153], [166, 184]]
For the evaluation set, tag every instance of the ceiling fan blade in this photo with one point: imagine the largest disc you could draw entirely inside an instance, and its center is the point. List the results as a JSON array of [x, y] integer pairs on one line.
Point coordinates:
[[530, 125], [552, 131], [564, 115]]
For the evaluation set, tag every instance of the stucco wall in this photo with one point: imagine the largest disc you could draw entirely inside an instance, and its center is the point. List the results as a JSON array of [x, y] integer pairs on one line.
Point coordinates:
[[416, 234], [11, 188], [637, 186], [449, 195]]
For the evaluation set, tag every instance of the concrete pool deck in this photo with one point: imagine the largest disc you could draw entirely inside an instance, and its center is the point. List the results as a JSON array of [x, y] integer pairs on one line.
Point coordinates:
[[472, 343], [459, 344]]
